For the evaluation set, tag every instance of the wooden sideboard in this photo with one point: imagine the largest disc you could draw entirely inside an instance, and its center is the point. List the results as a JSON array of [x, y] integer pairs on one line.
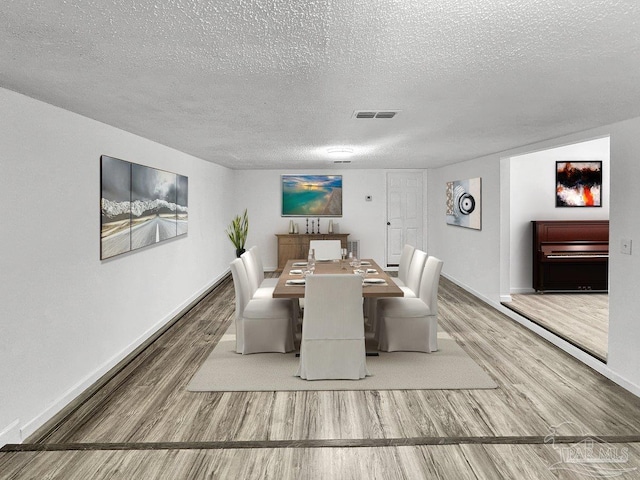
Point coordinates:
[[296, 245]]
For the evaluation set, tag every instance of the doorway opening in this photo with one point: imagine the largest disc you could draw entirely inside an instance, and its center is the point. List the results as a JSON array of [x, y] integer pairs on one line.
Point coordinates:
[[581, 318]]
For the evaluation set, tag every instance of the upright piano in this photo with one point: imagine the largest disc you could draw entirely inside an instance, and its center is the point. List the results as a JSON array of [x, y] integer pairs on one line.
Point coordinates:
[[571, 255]]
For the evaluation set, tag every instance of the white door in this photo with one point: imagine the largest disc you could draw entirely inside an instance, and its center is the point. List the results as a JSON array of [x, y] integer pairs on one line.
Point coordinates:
[[404, 213]]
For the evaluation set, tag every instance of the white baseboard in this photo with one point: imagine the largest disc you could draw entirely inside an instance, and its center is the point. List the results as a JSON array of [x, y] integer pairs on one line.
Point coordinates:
[[562, 344], [505, 298], [38, 421], [469, 289], [10, 433], [522, 290]]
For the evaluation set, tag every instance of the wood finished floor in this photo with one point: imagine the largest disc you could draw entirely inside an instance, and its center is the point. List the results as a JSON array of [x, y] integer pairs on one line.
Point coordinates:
[[145, 424], [581, 318]]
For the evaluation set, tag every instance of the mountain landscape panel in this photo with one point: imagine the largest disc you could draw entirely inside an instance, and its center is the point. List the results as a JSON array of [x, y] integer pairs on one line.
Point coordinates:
[[140, 208], [182, 204], [115, 207]]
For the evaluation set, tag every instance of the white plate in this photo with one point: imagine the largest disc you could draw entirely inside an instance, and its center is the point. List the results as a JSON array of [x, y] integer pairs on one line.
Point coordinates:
[[372, 270], [374, 280], [295, 281], [299, 264], [295, 272]]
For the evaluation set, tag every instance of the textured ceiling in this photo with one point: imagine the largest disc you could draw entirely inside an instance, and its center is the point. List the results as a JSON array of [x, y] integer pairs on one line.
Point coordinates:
[[274, 83]]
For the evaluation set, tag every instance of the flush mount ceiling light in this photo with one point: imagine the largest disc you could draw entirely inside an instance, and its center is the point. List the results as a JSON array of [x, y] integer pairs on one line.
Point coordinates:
[[340, 152]]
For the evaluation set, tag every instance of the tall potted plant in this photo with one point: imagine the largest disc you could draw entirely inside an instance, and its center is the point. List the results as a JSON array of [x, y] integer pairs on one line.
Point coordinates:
[[237, 232]]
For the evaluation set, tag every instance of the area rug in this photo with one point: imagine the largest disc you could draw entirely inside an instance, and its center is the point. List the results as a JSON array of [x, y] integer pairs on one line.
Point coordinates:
[[448, 368]]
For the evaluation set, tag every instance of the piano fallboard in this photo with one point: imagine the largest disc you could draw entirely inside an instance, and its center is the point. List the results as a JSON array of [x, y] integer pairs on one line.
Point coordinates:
[[571, 255], [578, 251]]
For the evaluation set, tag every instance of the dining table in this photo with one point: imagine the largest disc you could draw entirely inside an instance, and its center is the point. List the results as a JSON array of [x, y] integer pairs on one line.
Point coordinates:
[[376, 282]]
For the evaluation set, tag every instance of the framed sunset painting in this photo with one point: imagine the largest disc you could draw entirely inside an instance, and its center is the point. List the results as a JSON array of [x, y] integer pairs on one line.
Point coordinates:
[[311, 195]]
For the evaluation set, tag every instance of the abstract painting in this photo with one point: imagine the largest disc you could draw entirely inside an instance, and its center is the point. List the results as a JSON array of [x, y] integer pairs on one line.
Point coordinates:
[[579, 184], [311, 195], [140, 206], [464, 206]]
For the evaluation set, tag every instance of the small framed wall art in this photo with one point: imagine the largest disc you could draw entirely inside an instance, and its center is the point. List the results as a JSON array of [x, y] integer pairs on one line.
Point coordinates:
[[579, 184], [464, 203]]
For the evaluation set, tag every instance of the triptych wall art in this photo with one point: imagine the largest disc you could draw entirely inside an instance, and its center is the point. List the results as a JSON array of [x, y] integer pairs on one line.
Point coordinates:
[[579, 184], [464, 206], [139, 206]]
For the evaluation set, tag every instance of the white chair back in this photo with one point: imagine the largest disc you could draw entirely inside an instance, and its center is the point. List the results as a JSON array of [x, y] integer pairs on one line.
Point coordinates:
[[326, 249], [405, 262], [333, 307], [258, 261], [332, 344], [415, 271], [240, 285], [429, 283], [252, 271]]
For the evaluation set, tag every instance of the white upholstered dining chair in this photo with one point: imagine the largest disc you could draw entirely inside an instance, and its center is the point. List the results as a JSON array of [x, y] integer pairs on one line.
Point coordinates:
[[263, 282], [411, 285], [411, 324], [332, 345], [403, 266], [262, 324], [256, 286], [263, 289], [410, 288], [326, 249]]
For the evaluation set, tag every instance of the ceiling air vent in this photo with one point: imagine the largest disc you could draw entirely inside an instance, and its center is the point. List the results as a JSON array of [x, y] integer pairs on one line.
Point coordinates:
[[375, 114]]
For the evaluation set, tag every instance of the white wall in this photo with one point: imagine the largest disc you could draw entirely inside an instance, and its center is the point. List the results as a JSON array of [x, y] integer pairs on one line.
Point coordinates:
[[471, 257], [67, 317], [624, 270], [474, 259], [363, 220], [532, 197]]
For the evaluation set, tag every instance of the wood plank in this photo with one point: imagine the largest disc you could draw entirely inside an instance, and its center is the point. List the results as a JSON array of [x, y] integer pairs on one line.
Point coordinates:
[[492, 462], [580, 318]]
